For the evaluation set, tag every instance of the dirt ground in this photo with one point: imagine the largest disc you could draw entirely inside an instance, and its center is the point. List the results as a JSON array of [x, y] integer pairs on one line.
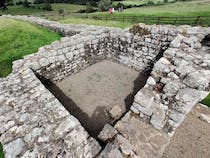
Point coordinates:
[[192, 137], [91, 93]]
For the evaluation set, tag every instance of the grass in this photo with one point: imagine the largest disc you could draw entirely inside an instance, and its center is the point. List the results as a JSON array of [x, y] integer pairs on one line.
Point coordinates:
[[19, 38], [20, 10], [178, 9], [173, 9], [139, 2], [110, 23], [130, 2], [206, 101], [1, 151], [68, 8]]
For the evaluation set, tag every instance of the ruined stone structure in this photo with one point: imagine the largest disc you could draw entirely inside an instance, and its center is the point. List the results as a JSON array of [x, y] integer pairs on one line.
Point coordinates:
[[35, 124]]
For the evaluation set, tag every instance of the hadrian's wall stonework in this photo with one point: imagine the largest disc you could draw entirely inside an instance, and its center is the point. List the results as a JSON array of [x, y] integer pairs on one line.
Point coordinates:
[[96, 43], [34, 123]]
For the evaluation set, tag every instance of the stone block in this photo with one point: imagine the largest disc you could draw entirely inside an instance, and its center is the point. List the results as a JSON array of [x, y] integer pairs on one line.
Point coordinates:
[[135, 110], [95, 147], [44, 62], [205, 118], [151, 81], [14, 148], [198, 79], [177, 117], [108, 132], [145, 110], [123, 144], [177, 41], [115, 112], [66, 126], [144, 98], [158, 118]]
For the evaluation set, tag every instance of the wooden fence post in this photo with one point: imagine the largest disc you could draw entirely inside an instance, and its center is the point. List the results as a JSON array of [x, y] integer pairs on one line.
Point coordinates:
[[175, 21], [196, 21], [158, 20], [133, 19]]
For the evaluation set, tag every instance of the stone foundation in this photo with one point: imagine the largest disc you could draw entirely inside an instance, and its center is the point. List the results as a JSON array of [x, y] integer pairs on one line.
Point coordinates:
[[34, 123]]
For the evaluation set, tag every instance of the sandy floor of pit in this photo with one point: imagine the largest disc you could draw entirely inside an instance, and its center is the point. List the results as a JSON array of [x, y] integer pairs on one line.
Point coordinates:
[[192, 137], [91, 93]]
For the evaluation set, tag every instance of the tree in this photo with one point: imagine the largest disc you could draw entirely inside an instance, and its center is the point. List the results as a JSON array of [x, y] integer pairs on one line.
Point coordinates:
[[2, 3], [61, 12], [104, 5], [26, 4], [47, 6], [89, 8]]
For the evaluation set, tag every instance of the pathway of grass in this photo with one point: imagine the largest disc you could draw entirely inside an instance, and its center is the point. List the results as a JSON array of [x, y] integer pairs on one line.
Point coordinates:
[[18, 38]]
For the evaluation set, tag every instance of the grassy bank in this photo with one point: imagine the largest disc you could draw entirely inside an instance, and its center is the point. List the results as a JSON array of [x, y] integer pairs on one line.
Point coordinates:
[[132, 3], [110, 23], [206, 101], [175, 9], [135, 15], [19, 38], [1, 151]]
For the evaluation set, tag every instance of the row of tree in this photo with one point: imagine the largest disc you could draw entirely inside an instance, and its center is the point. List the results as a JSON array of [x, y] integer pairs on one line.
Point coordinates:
[[3, 3], [25, 3], [103, 5]]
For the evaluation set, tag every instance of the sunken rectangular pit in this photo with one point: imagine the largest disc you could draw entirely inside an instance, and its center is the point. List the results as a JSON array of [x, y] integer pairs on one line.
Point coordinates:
[[99, 94]]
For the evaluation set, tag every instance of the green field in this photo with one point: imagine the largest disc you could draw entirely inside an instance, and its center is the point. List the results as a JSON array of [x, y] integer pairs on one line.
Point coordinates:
[[135, 15], [131, 15], [110, 23], [20, 10], [1, 152], [130, 2], [206, 101], [141, 2], [174, 9], [19, 38]]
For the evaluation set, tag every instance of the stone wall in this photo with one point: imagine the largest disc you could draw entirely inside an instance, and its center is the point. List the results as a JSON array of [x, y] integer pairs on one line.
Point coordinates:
[[179, 80], [35, 124], [71, 54], [35, 121]]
